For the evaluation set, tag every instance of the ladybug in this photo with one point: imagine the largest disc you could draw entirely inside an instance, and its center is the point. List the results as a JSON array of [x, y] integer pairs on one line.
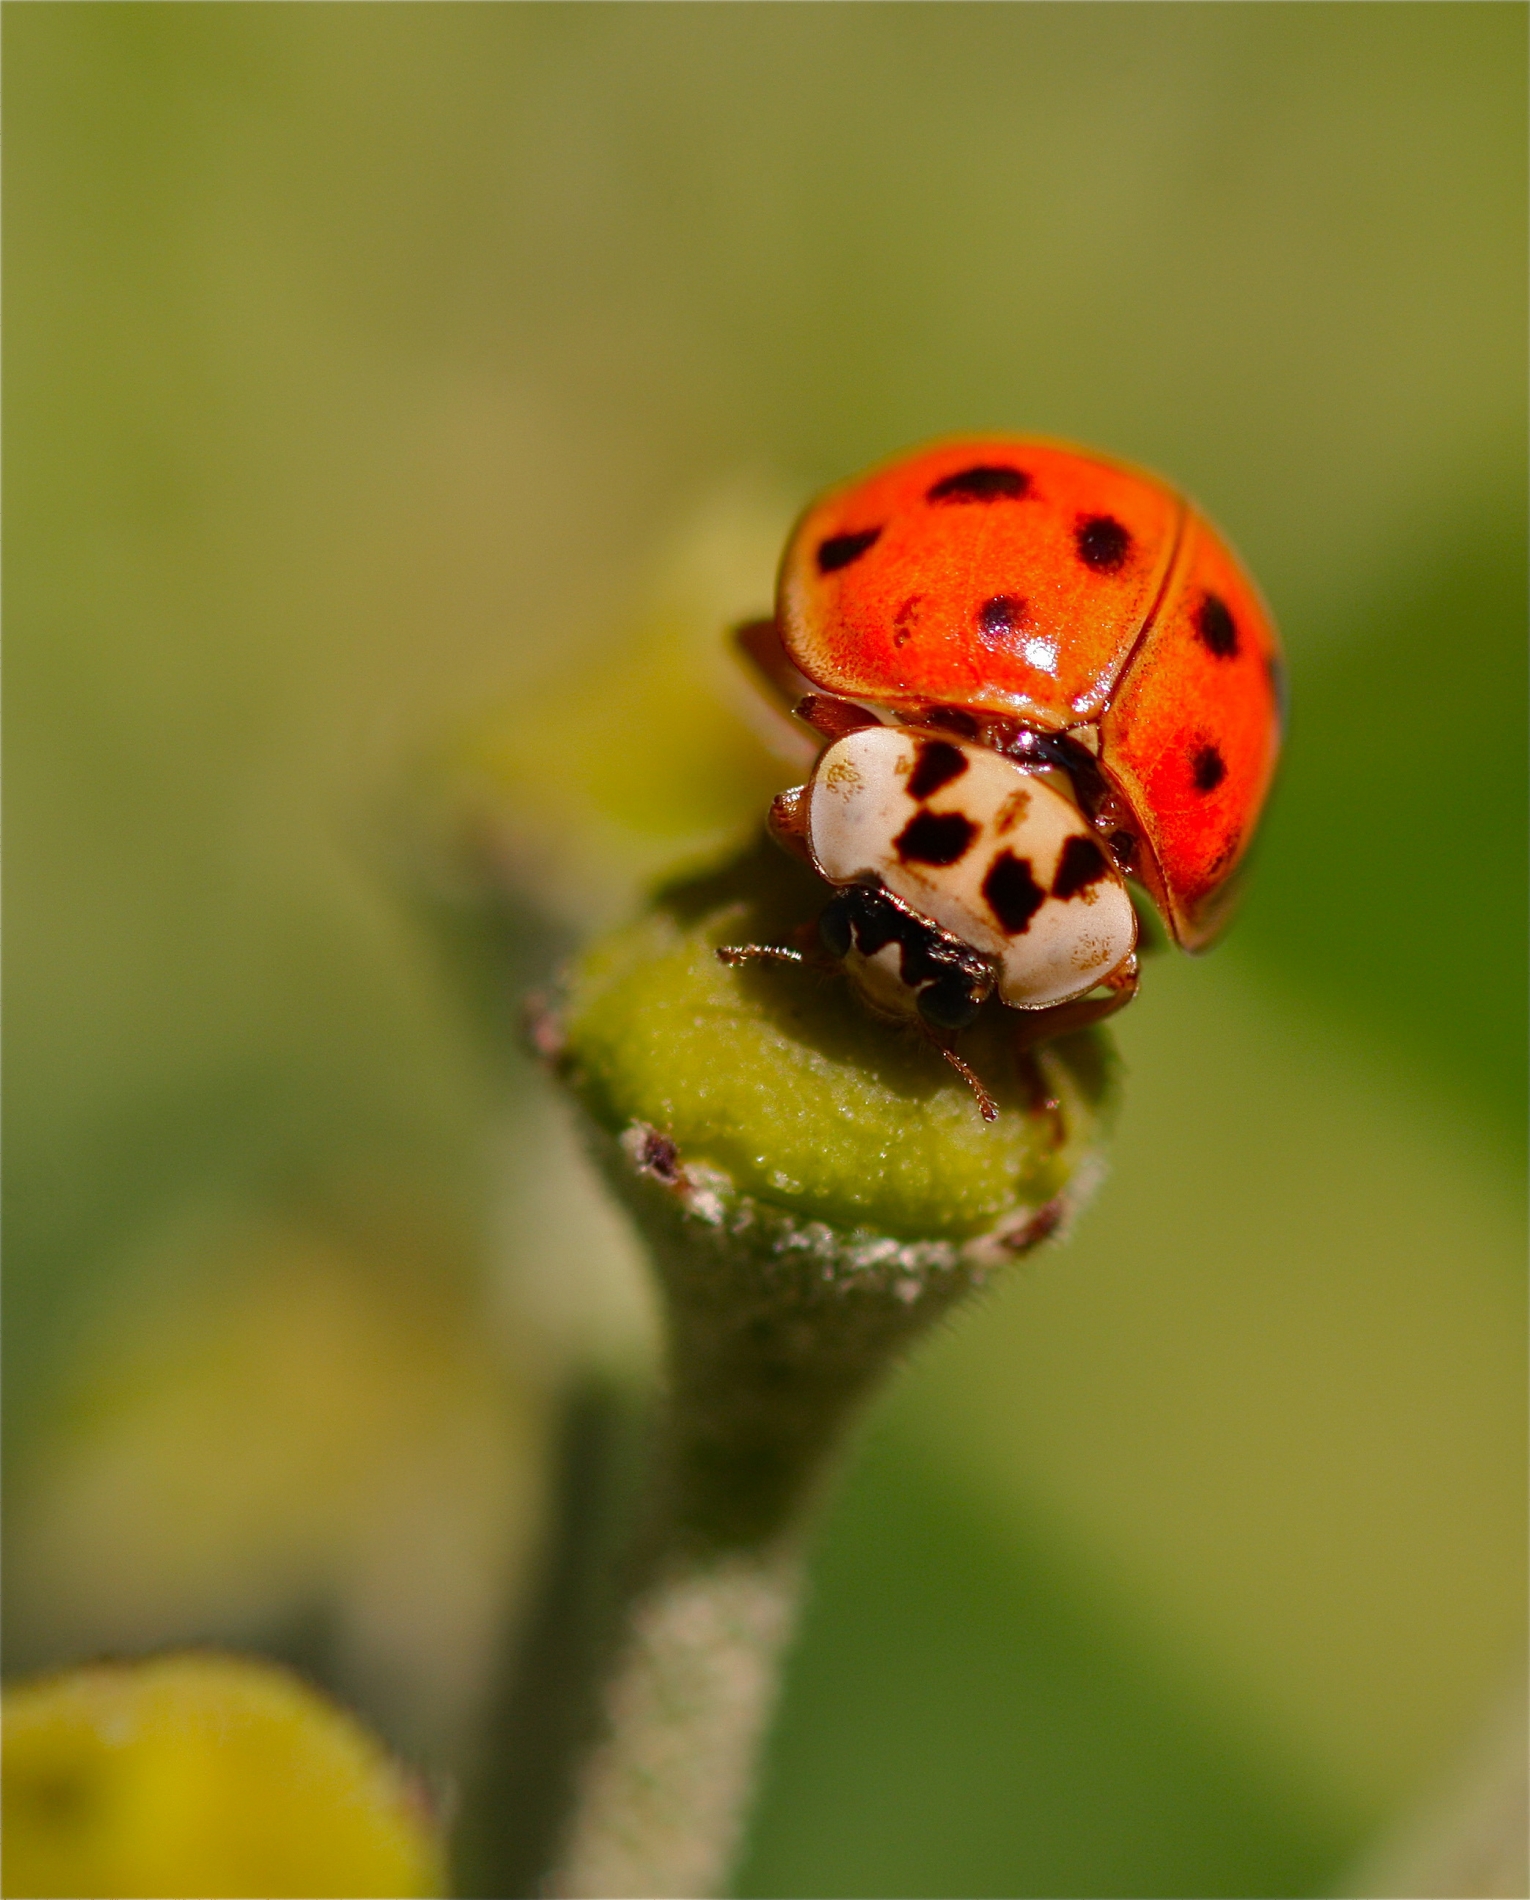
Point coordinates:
[[1040, 675]]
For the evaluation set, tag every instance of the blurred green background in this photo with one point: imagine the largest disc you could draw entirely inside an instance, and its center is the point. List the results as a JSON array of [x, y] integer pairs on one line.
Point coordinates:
[[380, 375]]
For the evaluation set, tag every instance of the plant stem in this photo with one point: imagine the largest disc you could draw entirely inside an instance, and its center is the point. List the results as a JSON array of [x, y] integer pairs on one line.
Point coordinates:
[[663, 1798], [814, 1193], [778, 1330]]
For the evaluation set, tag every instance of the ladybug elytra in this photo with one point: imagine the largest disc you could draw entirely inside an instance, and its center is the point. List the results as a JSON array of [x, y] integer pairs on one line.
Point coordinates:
[[1040, 674]]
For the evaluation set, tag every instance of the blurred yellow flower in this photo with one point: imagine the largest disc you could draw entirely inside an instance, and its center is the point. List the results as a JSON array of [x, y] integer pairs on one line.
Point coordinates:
[[203, 1774]]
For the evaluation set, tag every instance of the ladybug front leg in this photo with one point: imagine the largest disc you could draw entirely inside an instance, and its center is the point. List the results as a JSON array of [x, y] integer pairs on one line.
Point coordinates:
[[1044, 1025], [787, 822], [807, 951], [987, 1107], [735, 953]]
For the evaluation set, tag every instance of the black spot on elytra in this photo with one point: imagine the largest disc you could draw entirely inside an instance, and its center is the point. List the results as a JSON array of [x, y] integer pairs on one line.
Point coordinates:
[[935, 837], [1000, 617], [986, 482], [1103, 544], [938, 763], [1082, 863], [1012, 894], [841, 549], [1217, 629], [1207, 768]]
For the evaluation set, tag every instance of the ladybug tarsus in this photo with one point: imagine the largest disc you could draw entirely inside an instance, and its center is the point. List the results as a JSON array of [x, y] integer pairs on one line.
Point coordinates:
[[985, 1102], [736, 953]]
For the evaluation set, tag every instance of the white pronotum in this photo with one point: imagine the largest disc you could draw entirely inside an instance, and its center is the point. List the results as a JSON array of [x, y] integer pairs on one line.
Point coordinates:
[[995, 855]]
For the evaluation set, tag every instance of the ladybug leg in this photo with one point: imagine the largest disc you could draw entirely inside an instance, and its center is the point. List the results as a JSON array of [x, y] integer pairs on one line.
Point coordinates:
[[823, 946], [757, 954], [787, 822], [807, 951], [969, 1075], [735, 953], [1042, 1025], [833, 718]]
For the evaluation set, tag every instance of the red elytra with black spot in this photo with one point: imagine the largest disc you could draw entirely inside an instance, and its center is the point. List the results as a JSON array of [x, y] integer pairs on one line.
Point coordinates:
[[1032, 584]]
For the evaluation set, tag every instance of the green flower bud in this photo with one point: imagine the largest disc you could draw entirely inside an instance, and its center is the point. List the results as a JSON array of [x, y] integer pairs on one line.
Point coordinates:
[[815, 1187], [773, 1086]]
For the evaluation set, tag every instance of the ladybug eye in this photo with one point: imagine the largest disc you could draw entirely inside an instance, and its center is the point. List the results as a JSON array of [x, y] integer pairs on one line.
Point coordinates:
[[948, 1003], [841, 549], [834, 931]]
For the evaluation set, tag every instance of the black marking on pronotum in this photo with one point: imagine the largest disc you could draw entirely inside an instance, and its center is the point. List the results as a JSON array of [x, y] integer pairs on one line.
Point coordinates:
[[935, 837], [1012, 894], [937, 764], [841, 549], [1082, 863], [985, 482], [999, 617], [1217, 629], [1207, 768], [1103, 544]]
